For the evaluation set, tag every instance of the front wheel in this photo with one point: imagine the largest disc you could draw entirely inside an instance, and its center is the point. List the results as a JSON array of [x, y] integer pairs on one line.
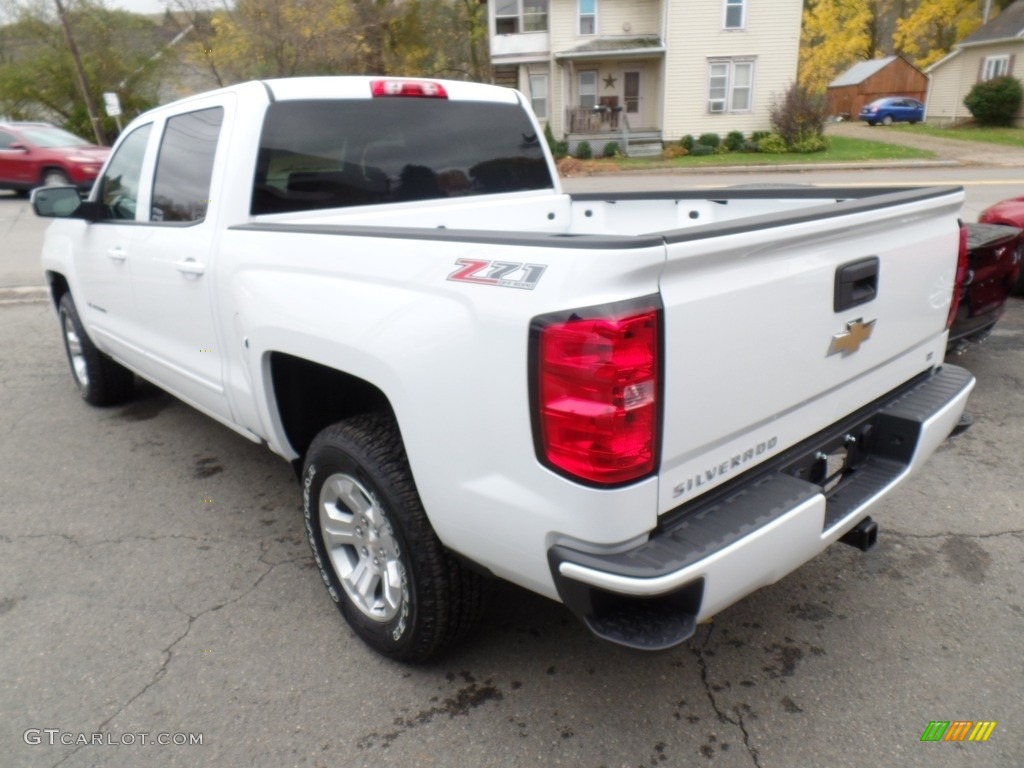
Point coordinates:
[[54, 177], [99, 379], [395, 584]]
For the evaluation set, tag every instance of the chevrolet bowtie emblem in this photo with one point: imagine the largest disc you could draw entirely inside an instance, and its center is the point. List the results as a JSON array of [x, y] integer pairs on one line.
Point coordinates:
[[849, 341]]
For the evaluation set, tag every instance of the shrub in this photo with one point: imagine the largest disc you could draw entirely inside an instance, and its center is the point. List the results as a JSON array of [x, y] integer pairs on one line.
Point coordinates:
[[709, 140], [558, 148], [734, 141], [549, 137], [699, 150], [672, 151], [750, 146], [583, 150], [772, 145], [798, 115], [611, 149], [756, 136], [721, 149], [995, 101], [810, 144], [687, 142]]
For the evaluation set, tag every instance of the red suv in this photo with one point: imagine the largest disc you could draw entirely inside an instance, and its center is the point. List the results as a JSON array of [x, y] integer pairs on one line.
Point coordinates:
[[38, 154]]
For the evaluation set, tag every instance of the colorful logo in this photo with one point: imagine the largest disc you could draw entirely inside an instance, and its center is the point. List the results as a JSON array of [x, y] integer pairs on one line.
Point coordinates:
[[958, 730]]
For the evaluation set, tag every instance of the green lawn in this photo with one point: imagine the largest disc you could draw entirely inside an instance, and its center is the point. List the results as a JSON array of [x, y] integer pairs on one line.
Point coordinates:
[[842, 150], [1012, 137]]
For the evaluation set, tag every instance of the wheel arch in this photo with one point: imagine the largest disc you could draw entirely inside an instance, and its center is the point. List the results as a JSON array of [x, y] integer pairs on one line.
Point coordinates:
[[309, 396], [58, 287]]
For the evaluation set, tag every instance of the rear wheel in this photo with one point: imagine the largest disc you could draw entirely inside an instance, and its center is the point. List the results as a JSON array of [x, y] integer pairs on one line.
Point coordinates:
[[887, 120], [395, 584], [99, 379]]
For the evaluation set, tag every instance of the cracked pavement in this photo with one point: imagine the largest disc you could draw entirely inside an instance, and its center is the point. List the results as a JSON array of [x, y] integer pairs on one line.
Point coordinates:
[[154, 578]]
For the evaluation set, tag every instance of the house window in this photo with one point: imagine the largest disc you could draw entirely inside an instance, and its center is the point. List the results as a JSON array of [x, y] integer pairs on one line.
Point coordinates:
[[588, 17], [588, 89], [734, 13], [996, 66], [730, 86], [514, 16], [539, 95]]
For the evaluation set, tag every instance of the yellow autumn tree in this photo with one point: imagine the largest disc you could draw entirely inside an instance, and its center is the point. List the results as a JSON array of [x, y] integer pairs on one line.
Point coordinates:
[[839, 33], [936, 26], [270, 38]]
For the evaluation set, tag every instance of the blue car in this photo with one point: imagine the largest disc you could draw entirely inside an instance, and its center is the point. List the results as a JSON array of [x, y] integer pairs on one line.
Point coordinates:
[[894, 109]]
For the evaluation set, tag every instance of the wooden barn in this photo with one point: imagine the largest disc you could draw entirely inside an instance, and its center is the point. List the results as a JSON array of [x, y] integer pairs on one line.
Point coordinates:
[[869, 80]]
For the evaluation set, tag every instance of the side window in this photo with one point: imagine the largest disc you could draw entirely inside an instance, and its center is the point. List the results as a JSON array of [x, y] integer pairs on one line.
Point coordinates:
[[6, 139], [184, 166], [119, 185]]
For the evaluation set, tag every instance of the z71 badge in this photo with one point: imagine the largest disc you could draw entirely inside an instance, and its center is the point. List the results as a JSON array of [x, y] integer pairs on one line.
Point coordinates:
[[504, 274]]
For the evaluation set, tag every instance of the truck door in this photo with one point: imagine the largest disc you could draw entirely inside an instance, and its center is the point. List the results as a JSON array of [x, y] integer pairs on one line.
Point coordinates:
[[105, 260], [173, 288]]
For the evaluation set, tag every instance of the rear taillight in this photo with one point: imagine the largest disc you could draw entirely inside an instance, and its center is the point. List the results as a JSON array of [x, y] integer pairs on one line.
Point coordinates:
[[415, 88], [962, 265], [596, 392]]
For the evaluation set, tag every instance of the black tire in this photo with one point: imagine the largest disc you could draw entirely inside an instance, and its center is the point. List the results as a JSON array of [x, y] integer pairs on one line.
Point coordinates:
[[871, 123], [100, 380], [55, 177], [887, 120], [398, 588], [1020, 260]]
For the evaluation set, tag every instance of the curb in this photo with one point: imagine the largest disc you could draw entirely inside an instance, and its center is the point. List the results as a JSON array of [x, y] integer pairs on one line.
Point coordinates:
[[29, 294]]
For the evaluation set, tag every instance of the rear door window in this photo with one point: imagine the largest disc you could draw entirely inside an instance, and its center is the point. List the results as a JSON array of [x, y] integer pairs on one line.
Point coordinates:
[[184, 166], [333, 154]]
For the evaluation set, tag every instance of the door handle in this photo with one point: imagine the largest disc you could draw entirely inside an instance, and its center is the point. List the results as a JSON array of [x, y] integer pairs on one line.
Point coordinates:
[[189, 267], [117, 253]]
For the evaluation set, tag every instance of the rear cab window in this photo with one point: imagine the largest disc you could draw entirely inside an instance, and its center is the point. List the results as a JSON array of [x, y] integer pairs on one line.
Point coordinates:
[[317, 154]]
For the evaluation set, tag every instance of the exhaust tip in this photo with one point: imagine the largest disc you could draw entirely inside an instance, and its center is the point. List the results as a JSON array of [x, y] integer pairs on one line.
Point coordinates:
[[863, 536]]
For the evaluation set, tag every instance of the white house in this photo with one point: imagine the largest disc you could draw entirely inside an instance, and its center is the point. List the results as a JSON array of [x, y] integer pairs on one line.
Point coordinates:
[[657, 68], [993, 50]]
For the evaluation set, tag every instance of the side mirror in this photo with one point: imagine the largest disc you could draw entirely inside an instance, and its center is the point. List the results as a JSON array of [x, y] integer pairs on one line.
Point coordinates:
[[64, 203]]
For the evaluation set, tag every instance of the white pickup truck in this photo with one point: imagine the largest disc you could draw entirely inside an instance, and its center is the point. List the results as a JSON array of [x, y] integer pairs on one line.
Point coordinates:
[[646, 406]]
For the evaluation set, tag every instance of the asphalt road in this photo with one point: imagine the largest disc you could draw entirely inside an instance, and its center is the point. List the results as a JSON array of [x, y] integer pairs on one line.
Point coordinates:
[[154, 579]]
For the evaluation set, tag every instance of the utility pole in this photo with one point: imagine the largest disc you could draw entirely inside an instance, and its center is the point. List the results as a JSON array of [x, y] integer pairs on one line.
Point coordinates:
[[90, 105]]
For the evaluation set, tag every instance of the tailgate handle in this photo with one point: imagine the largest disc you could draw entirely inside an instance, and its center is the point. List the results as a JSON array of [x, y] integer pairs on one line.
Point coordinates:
[[856, 284]]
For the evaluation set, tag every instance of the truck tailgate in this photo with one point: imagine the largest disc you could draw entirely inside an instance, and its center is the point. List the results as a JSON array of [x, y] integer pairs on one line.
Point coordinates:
[[761, 348]]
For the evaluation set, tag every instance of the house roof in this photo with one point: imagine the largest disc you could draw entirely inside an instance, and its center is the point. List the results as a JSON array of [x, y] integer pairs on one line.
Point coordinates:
[[1007, 25], [606, 47], [861, 71]]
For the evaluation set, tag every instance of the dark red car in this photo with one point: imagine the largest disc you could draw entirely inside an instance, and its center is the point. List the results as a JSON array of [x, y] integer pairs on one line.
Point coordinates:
[[1011, 213], [993, 270], [38, 154]]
